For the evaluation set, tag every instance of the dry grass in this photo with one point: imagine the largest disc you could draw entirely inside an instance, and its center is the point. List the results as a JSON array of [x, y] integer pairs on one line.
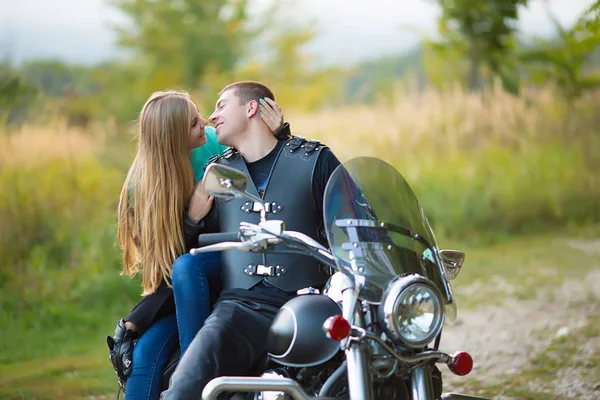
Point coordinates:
[[487, 161], [449, 123], [34, 145]]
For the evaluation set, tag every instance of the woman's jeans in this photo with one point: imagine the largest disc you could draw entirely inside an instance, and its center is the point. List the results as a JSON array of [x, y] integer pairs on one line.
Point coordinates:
[[150, 355], [196, 285]]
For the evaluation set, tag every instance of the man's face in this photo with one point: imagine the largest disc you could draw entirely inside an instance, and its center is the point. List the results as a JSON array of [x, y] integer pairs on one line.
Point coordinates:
[[230, 117]]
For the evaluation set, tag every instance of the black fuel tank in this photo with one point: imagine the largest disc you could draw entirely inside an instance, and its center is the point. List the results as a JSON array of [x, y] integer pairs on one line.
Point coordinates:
[[296, 337]]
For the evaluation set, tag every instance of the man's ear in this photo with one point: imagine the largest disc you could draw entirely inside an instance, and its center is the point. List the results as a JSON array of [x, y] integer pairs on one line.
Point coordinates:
[[252, 109]]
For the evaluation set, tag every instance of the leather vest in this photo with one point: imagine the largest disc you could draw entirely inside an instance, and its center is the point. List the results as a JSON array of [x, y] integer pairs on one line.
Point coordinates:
[[289, 197]]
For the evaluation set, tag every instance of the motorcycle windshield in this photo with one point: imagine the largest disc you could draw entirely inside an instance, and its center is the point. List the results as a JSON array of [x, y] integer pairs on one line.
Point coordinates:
[[377, 229]]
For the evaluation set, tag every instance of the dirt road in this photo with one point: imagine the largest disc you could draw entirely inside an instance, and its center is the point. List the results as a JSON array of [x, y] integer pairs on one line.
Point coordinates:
[[503, 338]]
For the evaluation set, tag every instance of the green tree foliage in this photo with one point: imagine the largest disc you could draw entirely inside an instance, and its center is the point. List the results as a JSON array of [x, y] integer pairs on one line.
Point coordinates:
[[179, 40], [288, 70], [54, 77], [372, 79], [278, 57], [565, 61], [483, 31], [16, 96], [590, 22]]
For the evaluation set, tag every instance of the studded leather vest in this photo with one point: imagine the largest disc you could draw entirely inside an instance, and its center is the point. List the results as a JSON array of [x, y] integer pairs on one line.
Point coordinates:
[[288, 197]]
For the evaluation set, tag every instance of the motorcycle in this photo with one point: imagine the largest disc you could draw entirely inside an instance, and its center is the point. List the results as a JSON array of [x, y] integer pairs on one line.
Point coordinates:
[[374, 331]]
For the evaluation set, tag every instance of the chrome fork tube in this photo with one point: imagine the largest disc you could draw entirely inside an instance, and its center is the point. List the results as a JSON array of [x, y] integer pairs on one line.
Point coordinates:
[[422, 384], [359, 377], [359, 381]]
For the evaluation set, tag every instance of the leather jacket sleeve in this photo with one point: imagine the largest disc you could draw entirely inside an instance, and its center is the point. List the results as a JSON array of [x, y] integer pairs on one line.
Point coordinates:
[[284, 132], [191, 230], [152, 307]]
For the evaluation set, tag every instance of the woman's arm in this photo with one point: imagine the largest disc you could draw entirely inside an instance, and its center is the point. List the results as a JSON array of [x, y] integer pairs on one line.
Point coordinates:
[[151, 308]]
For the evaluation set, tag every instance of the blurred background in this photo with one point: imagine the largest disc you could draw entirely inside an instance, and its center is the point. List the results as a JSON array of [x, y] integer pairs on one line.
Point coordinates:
[[490, 110]]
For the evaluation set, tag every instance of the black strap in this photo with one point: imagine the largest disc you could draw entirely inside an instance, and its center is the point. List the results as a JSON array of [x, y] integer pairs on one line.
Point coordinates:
[[213, 159], [229, 152], [296, 143], [311, 146], [121, 389]]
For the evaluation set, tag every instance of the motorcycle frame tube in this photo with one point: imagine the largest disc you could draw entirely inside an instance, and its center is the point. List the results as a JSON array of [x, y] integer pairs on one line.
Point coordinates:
[[421, 384], [253, 384], [458, 396]]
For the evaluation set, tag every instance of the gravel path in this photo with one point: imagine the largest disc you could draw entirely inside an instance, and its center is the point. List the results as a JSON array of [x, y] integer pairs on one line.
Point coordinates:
[[502, 338]]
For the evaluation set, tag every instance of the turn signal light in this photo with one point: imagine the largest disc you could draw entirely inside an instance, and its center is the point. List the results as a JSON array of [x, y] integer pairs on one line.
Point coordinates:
[[461, 363], [336, 328]]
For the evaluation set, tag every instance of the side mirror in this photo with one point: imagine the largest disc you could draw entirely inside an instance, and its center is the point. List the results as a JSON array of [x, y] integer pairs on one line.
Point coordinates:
[[453, 261], [228, 183]]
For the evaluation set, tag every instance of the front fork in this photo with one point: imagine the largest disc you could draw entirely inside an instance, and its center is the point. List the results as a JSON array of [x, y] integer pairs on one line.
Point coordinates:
[[359, 377], [360, 383], [421, 383]]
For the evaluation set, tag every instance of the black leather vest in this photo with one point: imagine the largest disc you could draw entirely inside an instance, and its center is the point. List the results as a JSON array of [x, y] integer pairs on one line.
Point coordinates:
[[289, 197]]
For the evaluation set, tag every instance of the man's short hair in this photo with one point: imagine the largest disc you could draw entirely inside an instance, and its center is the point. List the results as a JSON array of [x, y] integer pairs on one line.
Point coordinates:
[[249, 90]]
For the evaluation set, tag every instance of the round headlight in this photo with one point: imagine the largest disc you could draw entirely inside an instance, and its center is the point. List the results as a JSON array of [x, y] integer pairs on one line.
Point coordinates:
[[413, 311]]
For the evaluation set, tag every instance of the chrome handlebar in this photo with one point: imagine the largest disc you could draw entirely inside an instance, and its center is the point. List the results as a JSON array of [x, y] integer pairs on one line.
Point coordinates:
[[255, 237]]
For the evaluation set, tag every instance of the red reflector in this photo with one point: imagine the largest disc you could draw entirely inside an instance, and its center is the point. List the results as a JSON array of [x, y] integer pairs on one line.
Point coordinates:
[[462, 363], [336, 328]]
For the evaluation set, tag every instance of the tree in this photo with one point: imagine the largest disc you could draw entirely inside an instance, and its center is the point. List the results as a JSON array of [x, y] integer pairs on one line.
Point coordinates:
[[483, 31], [16, 97], [179, 40], [589, 23], [564, 60], [293, 79]]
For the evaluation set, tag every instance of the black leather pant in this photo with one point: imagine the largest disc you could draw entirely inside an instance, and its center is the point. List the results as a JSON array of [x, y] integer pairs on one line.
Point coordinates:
[[231, 342]]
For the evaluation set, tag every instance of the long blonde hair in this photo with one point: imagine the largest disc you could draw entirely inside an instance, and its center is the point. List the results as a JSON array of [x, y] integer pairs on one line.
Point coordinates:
[[156, 191]]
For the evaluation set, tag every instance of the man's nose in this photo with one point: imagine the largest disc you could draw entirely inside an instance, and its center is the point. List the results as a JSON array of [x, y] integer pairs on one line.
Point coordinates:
[[212, 117]]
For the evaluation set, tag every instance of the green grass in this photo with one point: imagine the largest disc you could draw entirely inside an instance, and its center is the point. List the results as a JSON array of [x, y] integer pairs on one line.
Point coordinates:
[[68, 377], [38, 328], [495, 192], [55, 349], [522, 268]]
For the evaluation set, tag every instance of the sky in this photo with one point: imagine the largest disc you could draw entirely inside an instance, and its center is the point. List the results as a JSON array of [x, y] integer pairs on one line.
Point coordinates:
[[79, 31]]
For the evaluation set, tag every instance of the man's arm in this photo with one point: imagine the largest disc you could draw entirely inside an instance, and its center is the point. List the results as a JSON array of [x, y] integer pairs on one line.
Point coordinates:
[[326, 164]]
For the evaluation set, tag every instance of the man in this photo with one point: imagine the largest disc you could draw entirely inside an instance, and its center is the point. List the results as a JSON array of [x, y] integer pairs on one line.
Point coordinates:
[[290, 175]]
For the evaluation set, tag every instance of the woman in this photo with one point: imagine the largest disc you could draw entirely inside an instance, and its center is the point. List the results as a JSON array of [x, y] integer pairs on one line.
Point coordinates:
[[160, 204]]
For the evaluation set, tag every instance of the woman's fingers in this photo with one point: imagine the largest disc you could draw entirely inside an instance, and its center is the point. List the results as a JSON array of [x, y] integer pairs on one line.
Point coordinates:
[[271, 114]]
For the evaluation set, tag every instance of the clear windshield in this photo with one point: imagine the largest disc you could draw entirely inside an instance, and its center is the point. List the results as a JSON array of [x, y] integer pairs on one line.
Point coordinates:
[[377, 229]]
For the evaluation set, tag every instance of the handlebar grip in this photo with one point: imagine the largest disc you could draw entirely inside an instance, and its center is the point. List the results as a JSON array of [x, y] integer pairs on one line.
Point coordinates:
[[207, 239]]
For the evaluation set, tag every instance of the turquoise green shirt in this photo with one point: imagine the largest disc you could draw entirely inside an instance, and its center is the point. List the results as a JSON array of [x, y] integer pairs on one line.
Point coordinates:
[[200, 155]]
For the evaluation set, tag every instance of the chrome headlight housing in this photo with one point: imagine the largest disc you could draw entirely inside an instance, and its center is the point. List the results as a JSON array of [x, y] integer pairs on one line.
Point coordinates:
[[412, 311]]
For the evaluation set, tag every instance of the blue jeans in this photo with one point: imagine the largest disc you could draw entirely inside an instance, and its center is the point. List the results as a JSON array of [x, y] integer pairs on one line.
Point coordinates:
[[150, 355], [196, 285]]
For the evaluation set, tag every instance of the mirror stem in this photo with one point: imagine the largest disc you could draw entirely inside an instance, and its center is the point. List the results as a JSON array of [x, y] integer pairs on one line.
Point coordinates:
[[263, 214]]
